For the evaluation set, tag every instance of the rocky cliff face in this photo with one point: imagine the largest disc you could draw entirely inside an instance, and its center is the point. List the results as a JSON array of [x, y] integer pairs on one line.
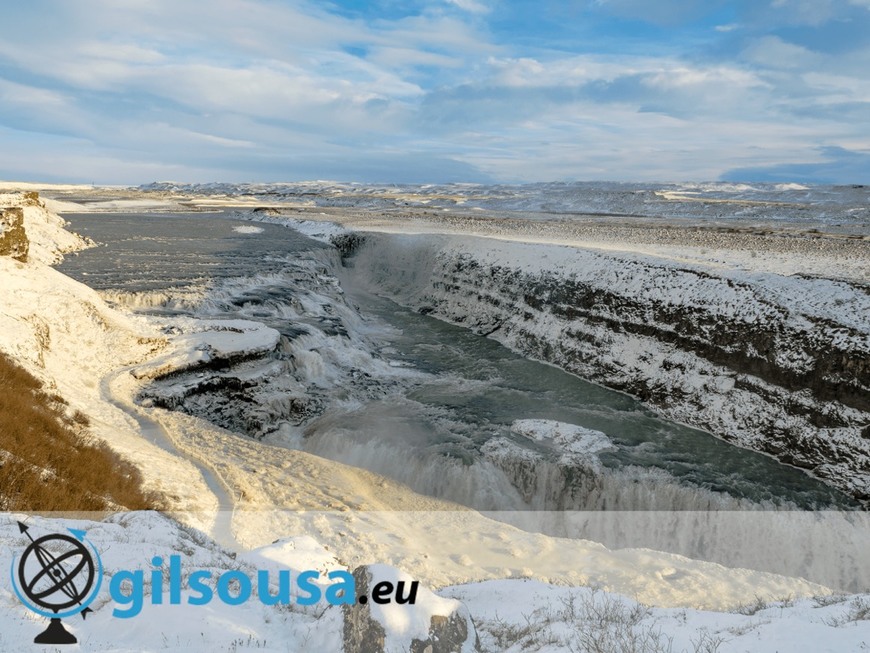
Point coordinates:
[[13, 239], [774, 363]]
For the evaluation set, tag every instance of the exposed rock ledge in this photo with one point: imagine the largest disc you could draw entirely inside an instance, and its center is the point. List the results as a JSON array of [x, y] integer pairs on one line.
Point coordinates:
[[779, 364], [13, 239]]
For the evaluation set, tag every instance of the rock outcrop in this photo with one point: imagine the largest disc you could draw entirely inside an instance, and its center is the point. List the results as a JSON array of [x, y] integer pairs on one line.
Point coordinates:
[[430, 625], [13, 239]]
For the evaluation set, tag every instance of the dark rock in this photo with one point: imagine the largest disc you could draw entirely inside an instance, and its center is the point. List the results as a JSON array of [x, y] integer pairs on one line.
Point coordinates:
[[446, 635], [13, 239], [363, 633], [347, 244]]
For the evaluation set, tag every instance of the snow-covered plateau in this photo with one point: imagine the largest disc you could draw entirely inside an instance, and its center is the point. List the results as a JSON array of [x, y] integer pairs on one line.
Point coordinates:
[[244, 503]]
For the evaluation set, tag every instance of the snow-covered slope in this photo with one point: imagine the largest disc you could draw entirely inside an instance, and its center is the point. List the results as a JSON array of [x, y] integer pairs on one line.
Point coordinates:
[[66, 335]]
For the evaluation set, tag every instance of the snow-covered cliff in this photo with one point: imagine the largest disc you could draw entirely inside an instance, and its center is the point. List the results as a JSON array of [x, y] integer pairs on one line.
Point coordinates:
[[775, 363]]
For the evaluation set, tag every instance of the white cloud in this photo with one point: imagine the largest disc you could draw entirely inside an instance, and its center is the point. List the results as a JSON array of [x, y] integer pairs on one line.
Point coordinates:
[[474, 6], [239, 84], [119, 51], [675, 75], [838, 88], [773, 52], [567, 70], [41, 110], [640, 147], [403, 58], [806, 12]]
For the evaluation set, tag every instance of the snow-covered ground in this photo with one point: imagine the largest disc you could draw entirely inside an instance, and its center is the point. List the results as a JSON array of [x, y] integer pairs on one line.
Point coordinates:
[[525, 591], [519, 614]]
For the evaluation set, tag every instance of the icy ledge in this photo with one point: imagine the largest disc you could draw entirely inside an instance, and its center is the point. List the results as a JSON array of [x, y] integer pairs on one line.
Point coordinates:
[[571, 439]]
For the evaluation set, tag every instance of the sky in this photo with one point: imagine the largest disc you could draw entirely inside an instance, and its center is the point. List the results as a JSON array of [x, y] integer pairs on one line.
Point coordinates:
[[414, 91]]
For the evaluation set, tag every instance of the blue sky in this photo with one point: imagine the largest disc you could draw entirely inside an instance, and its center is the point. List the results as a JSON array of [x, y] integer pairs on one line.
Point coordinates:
[[131, 91]]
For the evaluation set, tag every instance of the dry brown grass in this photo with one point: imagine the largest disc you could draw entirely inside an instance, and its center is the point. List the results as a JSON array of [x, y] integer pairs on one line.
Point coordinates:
[[47, 460]]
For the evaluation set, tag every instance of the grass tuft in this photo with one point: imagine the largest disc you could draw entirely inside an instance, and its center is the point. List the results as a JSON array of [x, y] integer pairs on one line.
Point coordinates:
[[47, 461]]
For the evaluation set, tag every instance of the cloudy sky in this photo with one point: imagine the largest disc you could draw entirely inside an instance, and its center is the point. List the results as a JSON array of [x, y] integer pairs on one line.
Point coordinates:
[[132, 91]]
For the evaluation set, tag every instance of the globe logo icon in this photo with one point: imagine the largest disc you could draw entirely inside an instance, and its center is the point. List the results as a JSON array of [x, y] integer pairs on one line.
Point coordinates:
[[57, 577]]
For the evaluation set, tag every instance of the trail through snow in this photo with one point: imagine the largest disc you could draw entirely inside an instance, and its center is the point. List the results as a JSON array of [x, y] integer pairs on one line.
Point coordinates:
[[152, 430]]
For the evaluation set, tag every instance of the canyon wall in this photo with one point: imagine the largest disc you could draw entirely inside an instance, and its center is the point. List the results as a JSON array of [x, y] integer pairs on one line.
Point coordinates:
[[779, 364]]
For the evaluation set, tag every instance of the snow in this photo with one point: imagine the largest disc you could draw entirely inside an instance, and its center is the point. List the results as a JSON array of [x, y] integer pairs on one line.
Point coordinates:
[[197, 343], [130, 541], [319, 230], [298, 553], [405, 623], [66, 335], [563, 619], [509, 614], [567, 437], [364, 518], [294, 510]]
